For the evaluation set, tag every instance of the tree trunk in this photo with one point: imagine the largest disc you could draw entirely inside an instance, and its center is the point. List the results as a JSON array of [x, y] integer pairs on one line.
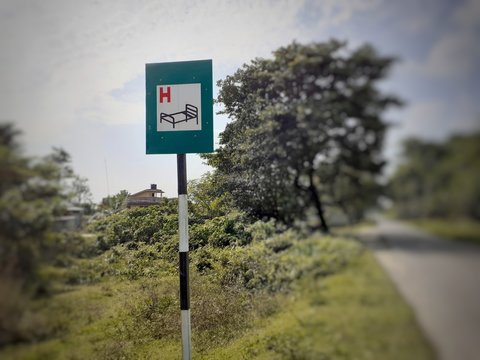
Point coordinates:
[[318, 205], [312, 190]]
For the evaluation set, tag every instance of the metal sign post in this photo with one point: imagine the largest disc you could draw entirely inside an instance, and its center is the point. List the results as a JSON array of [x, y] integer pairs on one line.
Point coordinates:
[[183, 251], [179, 114]]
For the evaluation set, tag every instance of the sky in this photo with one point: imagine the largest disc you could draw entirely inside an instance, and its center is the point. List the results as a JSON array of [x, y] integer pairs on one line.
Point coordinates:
[[73, 72]]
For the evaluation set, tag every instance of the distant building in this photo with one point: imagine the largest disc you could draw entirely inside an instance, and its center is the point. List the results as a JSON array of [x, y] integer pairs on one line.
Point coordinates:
[[145, 197], [71, 219]]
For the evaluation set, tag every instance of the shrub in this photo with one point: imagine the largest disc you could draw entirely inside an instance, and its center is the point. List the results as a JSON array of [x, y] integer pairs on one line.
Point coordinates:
[[12, 304], [152, 312], [281, 241], [222, 231], [148, 225], [262, 230], [251, 268]]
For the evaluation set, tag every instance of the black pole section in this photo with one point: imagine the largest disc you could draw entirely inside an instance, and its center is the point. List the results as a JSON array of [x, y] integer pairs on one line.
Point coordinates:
[[182, 192], [184, 290], [182, 174]]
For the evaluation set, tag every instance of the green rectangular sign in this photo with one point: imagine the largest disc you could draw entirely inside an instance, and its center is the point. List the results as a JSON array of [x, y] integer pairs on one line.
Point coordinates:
[[179, 107]]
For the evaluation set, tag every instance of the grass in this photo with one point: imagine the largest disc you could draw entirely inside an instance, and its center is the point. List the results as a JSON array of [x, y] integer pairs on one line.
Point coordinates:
[[355, 314], [339, 305], [352, 230], [456, 229]]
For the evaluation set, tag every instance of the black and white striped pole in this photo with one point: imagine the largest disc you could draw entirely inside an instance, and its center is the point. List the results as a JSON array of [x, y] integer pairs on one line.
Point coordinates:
[[171, 87], [183, 251]]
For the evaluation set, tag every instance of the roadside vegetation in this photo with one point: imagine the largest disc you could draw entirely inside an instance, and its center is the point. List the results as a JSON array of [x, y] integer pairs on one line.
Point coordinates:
[[437, 187], [456, 229], [268, 279], [354, 314], [259, 290], [306, 134]]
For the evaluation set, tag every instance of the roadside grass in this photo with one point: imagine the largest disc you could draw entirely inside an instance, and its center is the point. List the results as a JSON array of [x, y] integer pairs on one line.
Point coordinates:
[[282, 298], [352, 230], [355, 314], [456, 229]]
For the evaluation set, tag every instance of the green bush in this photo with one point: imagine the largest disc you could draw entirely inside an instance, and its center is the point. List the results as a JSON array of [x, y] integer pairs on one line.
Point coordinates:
[[281, 241], [272, 265], [159, 224], [148, 225], [222, 231], [262, 230], [253, 268]]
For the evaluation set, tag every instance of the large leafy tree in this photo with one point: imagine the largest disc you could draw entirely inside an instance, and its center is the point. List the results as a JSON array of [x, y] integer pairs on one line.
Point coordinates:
[[306, 131]]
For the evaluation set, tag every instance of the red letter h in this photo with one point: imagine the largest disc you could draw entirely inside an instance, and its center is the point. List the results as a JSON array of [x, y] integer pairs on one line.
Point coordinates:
[[164, 94]]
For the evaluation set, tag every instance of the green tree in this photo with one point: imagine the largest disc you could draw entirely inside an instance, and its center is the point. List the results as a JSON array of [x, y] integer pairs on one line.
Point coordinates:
[[414, 181], [306, 131], [208, 200], [462, 163], [80, 190], [115, 202], [437, 179], [32, 193]]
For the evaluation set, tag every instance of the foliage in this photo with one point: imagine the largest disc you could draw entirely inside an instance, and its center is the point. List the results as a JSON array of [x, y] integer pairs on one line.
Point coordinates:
[[158, 224], [149, 225], [354, 314], [81, 194], [80, 190], [33, 191], [456, 229], [153, 312], [438, 179], [221, 231], [306, 131], [324, 317], [207, 197], [274, 264], [115, 202], [122, 298]]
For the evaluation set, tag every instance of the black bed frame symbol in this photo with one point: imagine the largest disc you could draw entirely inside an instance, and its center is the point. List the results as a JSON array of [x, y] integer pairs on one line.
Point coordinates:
[[190, 113]]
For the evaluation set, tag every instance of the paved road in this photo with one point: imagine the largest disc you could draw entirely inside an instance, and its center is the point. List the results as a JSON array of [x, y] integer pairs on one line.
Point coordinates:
[[441, 281]]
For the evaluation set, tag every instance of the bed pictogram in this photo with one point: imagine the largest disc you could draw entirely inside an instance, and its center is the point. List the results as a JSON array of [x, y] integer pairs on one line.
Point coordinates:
[[179, 107], [190, 113]]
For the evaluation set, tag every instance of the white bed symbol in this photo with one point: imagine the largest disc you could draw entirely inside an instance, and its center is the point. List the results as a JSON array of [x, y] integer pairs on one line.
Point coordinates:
[[179, 107]]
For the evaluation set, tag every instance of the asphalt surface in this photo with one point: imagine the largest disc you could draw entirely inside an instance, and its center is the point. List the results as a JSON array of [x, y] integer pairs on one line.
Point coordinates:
[[440, 279]]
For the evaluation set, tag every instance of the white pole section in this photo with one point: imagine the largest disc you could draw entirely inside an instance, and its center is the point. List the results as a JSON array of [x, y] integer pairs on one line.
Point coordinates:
[[186, 335], [183, 222]]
